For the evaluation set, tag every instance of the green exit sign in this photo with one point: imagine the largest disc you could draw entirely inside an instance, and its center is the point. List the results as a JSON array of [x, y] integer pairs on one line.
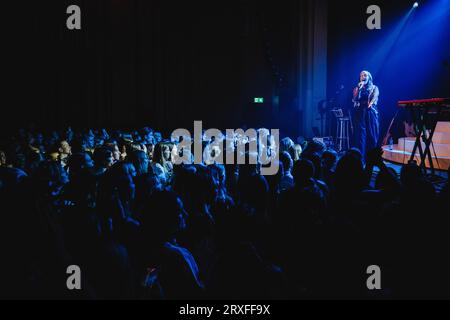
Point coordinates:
[[258, 100]]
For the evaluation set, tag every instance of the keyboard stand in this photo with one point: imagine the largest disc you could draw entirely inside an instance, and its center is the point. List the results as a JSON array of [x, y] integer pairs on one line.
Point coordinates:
[[425, 120]]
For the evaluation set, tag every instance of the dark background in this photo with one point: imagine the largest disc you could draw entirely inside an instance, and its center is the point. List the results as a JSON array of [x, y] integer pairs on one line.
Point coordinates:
[[167, 63], [158, 63]]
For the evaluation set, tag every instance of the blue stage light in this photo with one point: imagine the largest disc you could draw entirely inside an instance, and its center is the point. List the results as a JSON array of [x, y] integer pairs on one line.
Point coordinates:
[[415, 5]]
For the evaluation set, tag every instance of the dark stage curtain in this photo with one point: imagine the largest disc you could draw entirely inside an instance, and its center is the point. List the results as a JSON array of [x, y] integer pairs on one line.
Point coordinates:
[[166, 63]]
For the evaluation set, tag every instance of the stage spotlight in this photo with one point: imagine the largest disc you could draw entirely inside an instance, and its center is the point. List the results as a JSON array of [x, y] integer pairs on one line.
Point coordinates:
[[415, 5]]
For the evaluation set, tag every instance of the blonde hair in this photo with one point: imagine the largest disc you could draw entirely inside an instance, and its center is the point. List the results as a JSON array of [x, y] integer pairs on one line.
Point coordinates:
[[370, 79]]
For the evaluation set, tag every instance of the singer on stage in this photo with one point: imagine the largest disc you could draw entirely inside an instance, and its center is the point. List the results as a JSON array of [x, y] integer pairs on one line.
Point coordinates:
[[365, 115]]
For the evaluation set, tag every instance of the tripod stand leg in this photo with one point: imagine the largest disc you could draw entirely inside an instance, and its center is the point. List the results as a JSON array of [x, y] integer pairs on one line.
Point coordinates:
[[429, 141], [418, 133]]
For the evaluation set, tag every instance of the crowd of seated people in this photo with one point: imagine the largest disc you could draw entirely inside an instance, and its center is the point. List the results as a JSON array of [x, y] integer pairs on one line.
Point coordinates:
[[140, 227]]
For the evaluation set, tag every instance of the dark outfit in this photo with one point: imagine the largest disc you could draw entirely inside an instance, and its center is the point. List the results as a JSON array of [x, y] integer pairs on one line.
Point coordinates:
[[365, 120]]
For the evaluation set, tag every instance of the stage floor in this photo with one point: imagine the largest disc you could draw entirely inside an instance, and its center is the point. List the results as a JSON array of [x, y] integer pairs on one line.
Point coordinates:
[[401, 152]]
